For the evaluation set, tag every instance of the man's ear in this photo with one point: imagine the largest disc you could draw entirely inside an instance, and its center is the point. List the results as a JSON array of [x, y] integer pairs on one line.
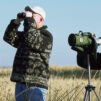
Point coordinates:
[[41, 20]]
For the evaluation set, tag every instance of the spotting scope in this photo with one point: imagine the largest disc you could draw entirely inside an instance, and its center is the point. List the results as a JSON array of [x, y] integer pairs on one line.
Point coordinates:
[[85, 43]]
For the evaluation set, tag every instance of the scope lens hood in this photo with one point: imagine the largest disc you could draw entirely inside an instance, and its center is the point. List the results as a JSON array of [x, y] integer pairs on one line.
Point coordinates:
[[72, 40]]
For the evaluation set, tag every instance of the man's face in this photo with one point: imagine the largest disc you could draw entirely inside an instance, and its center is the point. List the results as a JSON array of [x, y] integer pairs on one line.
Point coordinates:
[[38, 18]]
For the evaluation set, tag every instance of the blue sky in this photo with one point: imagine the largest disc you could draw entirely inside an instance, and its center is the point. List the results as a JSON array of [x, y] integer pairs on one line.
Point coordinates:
[[63, 17]]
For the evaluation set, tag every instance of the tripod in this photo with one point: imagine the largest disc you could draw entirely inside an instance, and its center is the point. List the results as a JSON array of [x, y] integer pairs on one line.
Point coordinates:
[[89, 87]]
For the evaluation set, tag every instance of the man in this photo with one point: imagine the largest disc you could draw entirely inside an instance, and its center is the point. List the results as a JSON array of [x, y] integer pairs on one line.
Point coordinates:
[[34, 45]]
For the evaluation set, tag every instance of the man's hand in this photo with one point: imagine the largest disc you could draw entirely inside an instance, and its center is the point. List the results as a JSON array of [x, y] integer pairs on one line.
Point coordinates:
[[28, 14], [17, 21]]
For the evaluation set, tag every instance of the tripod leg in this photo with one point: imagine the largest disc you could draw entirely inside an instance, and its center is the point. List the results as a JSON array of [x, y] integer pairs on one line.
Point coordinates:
[[86, 94], [89, 96], [97, 95]]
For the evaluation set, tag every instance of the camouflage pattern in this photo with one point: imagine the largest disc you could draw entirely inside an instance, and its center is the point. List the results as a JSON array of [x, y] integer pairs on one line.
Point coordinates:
[[31, 63]]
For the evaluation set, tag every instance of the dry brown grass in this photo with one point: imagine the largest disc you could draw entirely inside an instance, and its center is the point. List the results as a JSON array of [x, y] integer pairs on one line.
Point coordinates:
[[61, 88], [6, 89], [70, 90]]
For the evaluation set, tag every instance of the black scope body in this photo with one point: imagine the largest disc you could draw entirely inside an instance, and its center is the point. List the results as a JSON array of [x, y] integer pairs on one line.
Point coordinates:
[[21, 15]]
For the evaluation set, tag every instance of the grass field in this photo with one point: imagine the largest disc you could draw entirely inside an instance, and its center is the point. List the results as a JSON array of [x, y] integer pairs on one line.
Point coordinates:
[[65, 84]]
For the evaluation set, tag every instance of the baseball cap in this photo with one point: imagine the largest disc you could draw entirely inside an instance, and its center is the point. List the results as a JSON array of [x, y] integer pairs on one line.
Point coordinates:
[[37, 10]]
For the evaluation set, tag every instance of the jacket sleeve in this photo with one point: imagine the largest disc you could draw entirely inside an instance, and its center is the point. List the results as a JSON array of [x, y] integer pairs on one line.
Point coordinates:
[[12, 35], [36, 39]]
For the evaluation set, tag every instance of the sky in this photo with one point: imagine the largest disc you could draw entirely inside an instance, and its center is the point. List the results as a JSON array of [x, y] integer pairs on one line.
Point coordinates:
[[63, 17]]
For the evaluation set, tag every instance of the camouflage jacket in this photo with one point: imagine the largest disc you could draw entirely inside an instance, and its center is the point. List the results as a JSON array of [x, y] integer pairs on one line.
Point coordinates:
[[31, 63]]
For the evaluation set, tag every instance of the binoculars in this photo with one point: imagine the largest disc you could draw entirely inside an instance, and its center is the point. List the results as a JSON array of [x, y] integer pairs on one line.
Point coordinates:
[[21, 15]]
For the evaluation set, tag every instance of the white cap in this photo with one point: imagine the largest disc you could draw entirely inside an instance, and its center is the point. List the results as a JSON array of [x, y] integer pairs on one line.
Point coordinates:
[[37, 10]]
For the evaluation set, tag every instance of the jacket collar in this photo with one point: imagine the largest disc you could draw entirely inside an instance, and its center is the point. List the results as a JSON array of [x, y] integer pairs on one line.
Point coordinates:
[[43, 27]]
